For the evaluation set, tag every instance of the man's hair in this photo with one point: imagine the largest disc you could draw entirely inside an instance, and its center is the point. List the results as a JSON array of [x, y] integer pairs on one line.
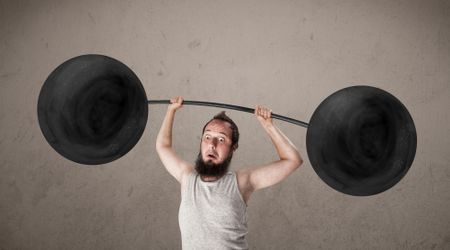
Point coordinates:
[[234, 129]]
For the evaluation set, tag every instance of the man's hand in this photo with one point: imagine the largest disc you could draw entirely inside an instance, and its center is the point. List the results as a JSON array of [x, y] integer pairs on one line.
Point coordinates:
[[176, 103], [264, 115]]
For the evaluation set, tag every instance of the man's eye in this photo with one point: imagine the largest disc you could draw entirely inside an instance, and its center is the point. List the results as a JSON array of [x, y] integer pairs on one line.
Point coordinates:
[[221, 140]]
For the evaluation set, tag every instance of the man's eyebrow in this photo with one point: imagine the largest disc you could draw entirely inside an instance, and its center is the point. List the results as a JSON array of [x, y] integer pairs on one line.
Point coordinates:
[[218, 132]]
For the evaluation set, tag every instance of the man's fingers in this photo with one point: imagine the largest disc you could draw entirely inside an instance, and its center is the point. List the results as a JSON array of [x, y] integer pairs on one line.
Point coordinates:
[[257, 110], [269, 113], [263, 112], [177, 99]]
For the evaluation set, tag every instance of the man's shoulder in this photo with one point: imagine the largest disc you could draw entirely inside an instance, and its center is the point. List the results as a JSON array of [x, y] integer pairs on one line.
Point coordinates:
[[240, 173], [242, 176], [185, 177]]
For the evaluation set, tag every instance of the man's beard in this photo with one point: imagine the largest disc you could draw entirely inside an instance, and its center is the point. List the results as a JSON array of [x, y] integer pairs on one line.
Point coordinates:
[[211, 169]]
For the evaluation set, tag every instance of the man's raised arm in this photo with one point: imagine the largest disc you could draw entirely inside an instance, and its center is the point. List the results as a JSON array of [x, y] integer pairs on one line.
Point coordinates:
[[176, 167], [290, 159]]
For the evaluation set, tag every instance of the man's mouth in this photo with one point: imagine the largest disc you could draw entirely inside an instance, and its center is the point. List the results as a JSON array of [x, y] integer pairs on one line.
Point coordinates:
[[210, 155]]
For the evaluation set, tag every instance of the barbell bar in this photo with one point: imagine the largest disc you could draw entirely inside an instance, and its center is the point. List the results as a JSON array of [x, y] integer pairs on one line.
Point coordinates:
[[232, 107], [361, 140]]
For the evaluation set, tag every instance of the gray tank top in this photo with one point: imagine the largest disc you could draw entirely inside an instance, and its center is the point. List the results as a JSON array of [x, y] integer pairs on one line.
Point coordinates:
[[212, 215]]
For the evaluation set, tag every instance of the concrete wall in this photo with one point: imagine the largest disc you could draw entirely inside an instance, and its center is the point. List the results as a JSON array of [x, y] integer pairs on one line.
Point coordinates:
[[288, 55]]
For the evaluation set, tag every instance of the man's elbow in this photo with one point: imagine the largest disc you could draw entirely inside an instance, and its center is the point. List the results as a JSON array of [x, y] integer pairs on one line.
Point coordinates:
[[294, 162], [296, 159], [297, 162], [161, 147], [158, 146]]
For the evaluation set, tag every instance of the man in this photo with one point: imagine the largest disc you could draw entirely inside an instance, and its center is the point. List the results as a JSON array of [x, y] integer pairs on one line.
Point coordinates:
[[212, 212]]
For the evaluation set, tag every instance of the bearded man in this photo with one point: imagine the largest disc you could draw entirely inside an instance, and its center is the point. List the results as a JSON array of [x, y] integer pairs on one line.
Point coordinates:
[[213, 208]]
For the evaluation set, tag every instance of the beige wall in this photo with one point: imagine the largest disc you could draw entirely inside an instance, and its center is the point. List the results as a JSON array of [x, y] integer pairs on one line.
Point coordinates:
[[288, 55]]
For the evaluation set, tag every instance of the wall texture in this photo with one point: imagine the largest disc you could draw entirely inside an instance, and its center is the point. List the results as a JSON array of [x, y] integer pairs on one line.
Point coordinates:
[[288, 55]]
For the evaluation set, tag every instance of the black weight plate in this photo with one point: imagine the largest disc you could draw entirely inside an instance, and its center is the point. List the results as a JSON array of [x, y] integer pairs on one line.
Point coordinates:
[[92, 109], [361, 140]]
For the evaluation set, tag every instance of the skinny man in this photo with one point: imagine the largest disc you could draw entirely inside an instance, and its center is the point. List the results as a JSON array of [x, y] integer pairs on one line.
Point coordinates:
[[213, 207]]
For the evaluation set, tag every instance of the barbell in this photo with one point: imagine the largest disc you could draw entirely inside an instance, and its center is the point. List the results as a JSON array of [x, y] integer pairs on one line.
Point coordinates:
[[361, 140]]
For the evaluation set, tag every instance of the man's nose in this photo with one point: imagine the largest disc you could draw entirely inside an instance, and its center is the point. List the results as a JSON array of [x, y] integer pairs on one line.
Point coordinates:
[[213, 143]]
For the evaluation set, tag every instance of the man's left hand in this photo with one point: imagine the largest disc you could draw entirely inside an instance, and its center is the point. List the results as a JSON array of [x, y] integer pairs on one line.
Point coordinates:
[[264, 115]]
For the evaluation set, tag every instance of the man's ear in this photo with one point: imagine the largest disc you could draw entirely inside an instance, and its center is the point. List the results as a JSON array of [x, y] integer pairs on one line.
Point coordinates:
[[235, 146]]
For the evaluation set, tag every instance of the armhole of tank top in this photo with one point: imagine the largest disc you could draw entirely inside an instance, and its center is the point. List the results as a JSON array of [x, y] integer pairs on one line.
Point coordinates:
[[187, 183], [237, 189]]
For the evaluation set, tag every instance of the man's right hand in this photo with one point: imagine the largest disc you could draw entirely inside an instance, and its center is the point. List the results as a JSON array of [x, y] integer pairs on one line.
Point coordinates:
[[176, 103]]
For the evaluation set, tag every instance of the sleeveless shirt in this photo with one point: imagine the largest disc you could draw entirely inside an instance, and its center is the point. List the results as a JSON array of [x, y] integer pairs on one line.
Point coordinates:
[[212, 215]]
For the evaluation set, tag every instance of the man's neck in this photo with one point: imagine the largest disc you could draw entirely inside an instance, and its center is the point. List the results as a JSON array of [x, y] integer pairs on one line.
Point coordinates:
[[210, 178]]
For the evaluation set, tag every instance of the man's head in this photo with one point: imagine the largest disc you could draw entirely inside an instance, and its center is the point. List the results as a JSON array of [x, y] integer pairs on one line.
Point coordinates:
[[220, 138]]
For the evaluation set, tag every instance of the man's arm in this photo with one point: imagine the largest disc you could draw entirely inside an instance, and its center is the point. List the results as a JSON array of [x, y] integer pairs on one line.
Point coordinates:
[[176, 166], [272, 173]]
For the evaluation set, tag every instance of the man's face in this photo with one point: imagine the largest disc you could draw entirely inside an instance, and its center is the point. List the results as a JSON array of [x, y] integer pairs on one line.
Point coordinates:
[[216, 142], [215, 149]]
